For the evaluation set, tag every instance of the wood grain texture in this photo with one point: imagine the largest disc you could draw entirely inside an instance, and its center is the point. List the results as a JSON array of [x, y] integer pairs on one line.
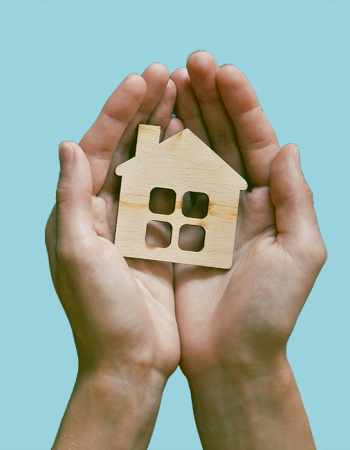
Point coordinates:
[[182, 163]]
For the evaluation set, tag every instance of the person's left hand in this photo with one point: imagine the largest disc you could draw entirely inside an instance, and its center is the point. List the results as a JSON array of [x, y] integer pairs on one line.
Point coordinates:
[[234, 324], [278, 251]]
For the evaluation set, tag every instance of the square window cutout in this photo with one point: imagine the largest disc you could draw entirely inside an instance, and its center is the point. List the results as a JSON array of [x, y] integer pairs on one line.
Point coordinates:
[[158, 234], [191, 238], [162, 200], [195, 204]]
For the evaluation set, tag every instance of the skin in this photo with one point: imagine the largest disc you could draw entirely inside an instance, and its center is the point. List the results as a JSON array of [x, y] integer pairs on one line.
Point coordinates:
[[121, 311], [234, 325], [133, 321]]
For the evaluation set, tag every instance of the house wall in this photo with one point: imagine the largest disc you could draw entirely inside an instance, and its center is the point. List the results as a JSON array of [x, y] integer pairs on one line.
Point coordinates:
[[219, 224]]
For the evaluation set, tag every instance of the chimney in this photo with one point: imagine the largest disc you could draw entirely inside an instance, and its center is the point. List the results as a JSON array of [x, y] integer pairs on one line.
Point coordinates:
[[147, 139]]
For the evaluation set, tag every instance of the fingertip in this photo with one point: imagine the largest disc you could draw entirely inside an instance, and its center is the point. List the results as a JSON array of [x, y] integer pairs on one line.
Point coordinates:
[[195, 52], [70, 145], [66, 152], [240, 97], [175, 126], [162, 113], [176, 122], [158, 67], [228, 74], [286, 175], [290, 153], [294, 152], [73, 160], [135, 85], [200, 61], [180, 76], [158, 71], [296, 219], [282, 157]]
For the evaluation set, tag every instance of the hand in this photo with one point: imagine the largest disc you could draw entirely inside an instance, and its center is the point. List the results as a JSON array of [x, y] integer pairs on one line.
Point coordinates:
[[236, 323], [121, 311], [246, 314]]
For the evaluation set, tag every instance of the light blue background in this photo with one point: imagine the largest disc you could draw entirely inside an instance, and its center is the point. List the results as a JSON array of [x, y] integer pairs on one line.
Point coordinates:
[[59, 62]]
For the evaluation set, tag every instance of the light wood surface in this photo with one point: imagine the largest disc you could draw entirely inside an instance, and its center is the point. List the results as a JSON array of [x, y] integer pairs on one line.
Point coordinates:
[[183, 163]]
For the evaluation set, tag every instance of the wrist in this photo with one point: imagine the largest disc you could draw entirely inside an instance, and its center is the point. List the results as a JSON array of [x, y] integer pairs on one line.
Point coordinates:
[[259, 408], [238, 360], [135, 362], [128, 383], [243, 372], [114, 410]]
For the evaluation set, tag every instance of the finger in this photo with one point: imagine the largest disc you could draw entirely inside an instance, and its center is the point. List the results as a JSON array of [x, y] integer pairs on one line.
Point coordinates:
[[296, 219], [175, 126], [156, 77], [103, 218], [162, 114], [104, 135], [186, 106], [74, 218], [202, 70], [257, 140]]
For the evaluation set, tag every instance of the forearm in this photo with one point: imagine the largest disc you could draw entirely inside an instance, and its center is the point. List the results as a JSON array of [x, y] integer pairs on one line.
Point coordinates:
[[111, 411], [261, 411]]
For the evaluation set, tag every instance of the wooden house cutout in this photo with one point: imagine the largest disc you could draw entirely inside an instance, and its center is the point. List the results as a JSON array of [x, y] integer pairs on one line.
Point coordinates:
[[184, 165]]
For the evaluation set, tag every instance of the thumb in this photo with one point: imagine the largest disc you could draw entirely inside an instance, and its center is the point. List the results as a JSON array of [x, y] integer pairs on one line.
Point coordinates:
[[291, 196], [74, 219]]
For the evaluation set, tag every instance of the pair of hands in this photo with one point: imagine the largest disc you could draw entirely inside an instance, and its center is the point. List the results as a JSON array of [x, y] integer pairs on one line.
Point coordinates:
[[143, 318]]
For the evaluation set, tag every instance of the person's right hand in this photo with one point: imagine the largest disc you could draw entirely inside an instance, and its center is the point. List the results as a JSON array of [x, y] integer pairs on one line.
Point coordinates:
[[121, 311]]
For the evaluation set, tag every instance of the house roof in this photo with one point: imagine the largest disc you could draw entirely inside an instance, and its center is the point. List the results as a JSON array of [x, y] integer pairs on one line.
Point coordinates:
[[183, 148]]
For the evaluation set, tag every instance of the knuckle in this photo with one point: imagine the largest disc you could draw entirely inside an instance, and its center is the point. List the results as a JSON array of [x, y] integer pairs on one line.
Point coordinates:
[[314, 251]]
